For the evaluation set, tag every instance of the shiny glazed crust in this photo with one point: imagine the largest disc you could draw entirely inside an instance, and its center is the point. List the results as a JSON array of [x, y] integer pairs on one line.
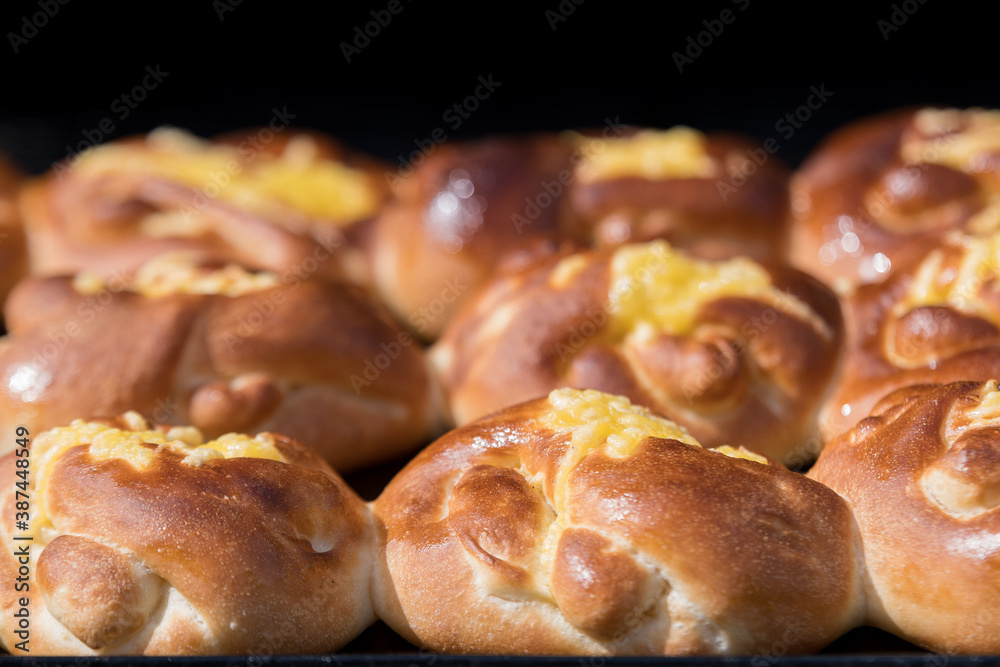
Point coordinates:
[[884, 191], [13, 247], [921, 476], [510, 535], [113, 221], [739, 207], [455, 215], [750, 372], [900, 333], [315, 360], [233, 555]]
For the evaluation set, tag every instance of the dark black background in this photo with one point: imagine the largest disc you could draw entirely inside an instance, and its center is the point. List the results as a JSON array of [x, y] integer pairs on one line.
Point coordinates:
[[607, 59]]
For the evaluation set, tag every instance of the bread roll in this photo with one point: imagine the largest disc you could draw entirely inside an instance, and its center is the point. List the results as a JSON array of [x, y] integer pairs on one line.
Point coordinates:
[[286, 202], [13, 248], [936, 320], [921, 474], [580, 524], [736, 352], [452, 219], [883, 192], [715, 195], [150, 541], [223, 349]]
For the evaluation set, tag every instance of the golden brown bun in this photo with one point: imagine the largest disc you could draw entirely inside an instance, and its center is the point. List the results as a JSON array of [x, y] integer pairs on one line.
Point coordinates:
[[176, 556], [737, 205], [110, 219], [883, 192], [455, 216], [750, 369], [934, 321], [318, 361], [922, 476], [13, 247], [612, 532]]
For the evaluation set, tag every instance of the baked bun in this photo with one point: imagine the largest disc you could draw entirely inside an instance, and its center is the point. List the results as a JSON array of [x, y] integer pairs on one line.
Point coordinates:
[[715, 195], [150, 541], [883, 192], [922, 474], [223, 349], [580, 524], [936, 320], [736, 352], [284, 204], [13, 248], [456, 214]]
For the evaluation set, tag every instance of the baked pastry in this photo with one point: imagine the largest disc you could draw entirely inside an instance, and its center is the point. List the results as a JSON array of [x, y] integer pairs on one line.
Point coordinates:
[[144, 540], [936, 320], [223, 349], [283, 202], [580, 524], [13, 249], [883, 192], [717, 195], [455, 215], [921, 475], [736, 352]]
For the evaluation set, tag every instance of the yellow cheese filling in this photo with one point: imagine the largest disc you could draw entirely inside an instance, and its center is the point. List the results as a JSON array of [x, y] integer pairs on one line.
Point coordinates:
[[137, 445], [651, 154], [178, 273], [655, 288], [968, 136], [935, 284], [987, 413], [320, 189], [611, 425]]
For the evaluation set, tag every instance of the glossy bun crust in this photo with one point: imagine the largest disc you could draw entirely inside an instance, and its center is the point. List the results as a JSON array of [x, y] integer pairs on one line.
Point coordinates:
[[145, 551], [921, 474], [611, 532], [288, 201], [739, 366], [884, 191], [934, 321], [719, 195], [315, 360], [13, 248], [455, 214]]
